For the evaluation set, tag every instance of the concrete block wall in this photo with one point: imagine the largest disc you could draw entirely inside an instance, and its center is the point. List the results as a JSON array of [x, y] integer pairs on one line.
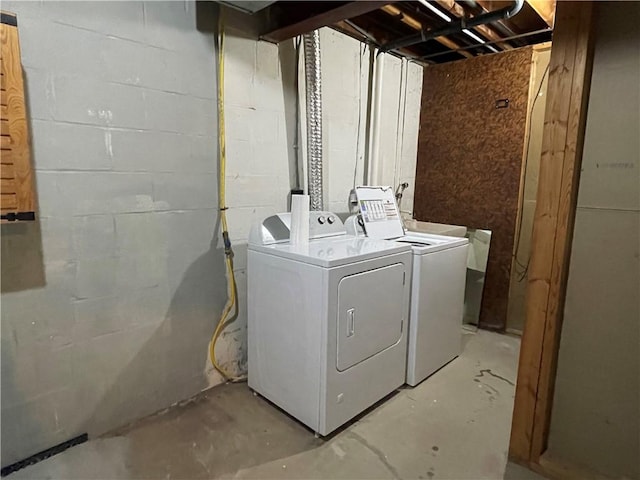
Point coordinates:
[[259, 94], [109, 299]]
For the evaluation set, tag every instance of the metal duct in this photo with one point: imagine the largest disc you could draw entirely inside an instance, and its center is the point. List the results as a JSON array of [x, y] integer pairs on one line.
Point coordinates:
[[313, 87]]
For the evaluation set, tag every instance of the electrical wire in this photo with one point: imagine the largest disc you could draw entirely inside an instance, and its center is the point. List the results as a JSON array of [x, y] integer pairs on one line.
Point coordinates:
[[232, 301], [525, 267]]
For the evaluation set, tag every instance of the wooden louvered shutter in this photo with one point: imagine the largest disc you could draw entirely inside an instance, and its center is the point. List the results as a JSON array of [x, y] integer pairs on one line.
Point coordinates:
[[17, 200]]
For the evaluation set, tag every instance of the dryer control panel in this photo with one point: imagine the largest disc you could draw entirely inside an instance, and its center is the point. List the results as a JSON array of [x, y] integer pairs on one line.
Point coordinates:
[[277, 228]]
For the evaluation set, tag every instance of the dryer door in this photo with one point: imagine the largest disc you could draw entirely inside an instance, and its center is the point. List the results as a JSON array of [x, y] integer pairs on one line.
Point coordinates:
[[370, 313]]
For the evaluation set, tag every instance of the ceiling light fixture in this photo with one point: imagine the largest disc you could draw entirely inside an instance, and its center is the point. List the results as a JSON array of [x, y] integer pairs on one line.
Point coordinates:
[[446, 17], [435, 10], [469, 33]]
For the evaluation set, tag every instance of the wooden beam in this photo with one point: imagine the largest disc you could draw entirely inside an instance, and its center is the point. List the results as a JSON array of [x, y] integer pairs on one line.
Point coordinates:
[[452, 7], [565, 117], [415, 24], [527, 20], [545, 8], [287, 19]]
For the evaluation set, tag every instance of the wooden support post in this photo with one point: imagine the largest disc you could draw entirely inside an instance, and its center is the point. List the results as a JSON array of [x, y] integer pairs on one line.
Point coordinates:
[[565, 118]]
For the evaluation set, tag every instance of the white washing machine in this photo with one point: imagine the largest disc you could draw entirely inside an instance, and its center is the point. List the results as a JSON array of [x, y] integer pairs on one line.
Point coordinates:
[[327, 326], [437, 282]]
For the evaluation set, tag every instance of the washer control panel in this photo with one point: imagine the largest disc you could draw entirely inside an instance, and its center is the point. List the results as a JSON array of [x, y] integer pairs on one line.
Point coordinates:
[[277, 228]]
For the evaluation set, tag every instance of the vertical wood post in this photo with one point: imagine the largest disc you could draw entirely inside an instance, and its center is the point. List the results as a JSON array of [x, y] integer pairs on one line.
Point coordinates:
[[565, 119]]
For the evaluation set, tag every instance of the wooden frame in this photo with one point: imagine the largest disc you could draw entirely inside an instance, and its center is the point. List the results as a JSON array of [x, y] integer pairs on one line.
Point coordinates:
[[17, 200], [565, 118]]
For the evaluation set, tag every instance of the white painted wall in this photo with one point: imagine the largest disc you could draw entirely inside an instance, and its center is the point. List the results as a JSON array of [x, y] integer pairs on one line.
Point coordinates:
[[110, 298], [259, 149]]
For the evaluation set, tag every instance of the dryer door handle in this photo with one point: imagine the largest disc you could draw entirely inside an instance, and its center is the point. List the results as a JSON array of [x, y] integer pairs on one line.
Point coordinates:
[[351, 322]]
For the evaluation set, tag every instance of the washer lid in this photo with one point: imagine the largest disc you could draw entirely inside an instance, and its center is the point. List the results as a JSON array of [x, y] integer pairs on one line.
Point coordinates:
[[379, 212], [334, 251], [428, 243]]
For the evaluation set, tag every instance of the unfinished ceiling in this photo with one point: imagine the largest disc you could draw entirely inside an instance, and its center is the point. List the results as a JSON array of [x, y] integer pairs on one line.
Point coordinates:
[[427, 31]]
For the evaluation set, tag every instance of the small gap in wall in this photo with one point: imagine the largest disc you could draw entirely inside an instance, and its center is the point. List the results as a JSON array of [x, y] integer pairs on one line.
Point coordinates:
[[43, 455]]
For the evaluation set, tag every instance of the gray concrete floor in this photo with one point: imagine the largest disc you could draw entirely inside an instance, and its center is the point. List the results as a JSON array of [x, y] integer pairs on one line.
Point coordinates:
[[456, 424]]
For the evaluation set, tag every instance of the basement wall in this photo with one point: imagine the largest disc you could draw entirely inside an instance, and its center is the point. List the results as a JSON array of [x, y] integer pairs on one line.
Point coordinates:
[[470, 158], [595, 421], [261, 139], [110, 298]]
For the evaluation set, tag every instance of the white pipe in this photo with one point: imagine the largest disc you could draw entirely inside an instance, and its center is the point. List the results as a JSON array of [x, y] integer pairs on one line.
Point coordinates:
[[376, 115], [402, 106]]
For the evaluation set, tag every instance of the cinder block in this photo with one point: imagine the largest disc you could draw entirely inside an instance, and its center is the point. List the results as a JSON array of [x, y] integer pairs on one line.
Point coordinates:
[[93, 236], [201, 226], [129, 62], [38, 321], [96, 277], [197, 74], [149, 151], [184, 191], [97, 316], [55, 146], [266, 126], [85, 100], [238, 121], [61, 48], [270, 95], [31, 426], [268, 158], [203, 155], [140, 233], [253, 191], [118, 19], [39, 93], [23, 9], [341, 135], [173, 26], [139, 271], [56, 239], [146, 306], [267, 61], [240, 72], [90, 193], [239, 157], [197, 283], [180, 113]]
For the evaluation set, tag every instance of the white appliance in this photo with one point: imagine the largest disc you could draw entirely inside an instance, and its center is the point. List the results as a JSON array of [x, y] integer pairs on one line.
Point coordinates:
[[327, 326], [437, 282]]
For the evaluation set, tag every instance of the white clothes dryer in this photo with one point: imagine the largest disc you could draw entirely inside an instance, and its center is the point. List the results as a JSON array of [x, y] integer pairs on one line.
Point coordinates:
[[327, 321]]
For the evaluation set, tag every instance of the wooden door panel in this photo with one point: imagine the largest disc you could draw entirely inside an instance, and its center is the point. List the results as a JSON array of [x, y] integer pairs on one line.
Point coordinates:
[[16, 172]]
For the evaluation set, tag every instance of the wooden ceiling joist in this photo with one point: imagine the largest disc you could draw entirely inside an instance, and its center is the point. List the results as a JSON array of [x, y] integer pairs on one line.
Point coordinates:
[[452, 7], [416, 25], [287, 19], [545, 8]]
